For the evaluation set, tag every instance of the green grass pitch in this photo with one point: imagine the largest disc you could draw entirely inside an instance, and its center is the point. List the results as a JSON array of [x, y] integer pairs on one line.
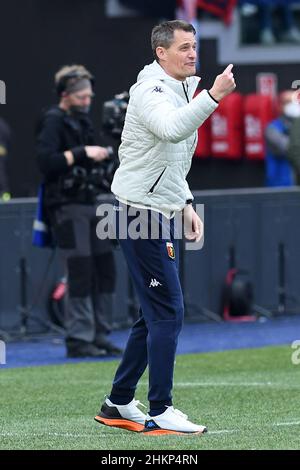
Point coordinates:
[[249, 399]]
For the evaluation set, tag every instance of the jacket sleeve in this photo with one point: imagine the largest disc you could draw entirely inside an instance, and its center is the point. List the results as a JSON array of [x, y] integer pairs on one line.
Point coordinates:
[[164, 120], [294, 147], [188, 194], [51, 159], [277, 142]]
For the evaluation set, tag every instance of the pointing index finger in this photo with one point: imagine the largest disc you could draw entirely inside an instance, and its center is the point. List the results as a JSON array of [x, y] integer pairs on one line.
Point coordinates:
[[228, 69]]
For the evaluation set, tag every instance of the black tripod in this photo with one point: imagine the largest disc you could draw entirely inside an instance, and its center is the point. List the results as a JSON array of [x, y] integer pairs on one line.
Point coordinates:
[[21, 331]]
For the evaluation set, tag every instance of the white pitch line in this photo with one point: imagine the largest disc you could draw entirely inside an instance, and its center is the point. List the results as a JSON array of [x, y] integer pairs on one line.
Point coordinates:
[[226, 384], [213, 384], [50, 434], [221, 431], [291, 423]]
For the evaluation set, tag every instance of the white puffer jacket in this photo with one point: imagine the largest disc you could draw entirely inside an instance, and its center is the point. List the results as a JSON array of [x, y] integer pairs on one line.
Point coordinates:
[[159, 139]]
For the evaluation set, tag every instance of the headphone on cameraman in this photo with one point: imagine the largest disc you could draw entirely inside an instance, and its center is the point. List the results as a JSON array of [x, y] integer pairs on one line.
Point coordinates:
[[61, 85]]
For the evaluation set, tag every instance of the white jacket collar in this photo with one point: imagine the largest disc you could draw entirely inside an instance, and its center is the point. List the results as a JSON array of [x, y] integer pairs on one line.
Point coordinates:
[[155, 72]]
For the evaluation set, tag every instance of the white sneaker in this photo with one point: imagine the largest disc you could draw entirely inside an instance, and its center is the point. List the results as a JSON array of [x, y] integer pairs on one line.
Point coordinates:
[[292, 35], [171, 421], [267, 37], [122, 416]]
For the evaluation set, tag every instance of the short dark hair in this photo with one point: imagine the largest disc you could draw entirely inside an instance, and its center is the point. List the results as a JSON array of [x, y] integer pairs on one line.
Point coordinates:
[[163, 34]]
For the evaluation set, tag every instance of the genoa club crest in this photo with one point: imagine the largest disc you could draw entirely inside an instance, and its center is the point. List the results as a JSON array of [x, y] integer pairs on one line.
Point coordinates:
[[170, 250]]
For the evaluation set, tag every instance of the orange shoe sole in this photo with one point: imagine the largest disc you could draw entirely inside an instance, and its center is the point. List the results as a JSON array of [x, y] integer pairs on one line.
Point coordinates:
[[120, 423], [157, 432]]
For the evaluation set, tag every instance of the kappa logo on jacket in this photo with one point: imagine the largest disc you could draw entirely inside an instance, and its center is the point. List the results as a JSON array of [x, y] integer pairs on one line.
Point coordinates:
[[158, 89]]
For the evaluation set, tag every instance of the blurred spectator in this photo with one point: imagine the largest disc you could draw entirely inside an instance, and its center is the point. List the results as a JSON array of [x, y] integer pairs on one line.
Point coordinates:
[[5, 139], [289, 30], [220, 8], [279, 170]]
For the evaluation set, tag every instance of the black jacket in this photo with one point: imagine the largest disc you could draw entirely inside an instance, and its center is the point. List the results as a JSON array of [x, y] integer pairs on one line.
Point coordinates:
[[58, 131]]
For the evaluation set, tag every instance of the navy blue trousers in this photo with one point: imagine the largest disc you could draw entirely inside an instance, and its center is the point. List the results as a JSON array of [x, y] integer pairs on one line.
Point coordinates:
[[154, 269]]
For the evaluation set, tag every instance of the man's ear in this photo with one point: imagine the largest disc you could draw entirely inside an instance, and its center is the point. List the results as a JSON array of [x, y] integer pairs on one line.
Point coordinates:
[[161, 53]]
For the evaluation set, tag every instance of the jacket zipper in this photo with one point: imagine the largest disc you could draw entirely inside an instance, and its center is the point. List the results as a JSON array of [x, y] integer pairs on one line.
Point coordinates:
[[185, 91], [187, 98], [156, 182]]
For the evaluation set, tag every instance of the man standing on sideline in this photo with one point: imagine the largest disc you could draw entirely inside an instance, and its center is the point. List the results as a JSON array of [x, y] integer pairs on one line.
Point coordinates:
[[158, 142]]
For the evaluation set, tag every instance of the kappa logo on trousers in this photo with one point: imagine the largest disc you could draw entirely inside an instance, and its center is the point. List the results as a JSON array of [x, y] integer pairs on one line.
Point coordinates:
[[154, 283]]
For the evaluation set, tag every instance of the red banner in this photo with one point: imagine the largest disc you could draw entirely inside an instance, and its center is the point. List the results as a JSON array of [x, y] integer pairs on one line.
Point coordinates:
[[222, 8]]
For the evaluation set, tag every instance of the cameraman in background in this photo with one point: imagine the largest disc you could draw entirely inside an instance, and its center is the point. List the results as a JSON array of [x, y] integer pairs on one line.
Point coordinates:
[[72, 165]]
